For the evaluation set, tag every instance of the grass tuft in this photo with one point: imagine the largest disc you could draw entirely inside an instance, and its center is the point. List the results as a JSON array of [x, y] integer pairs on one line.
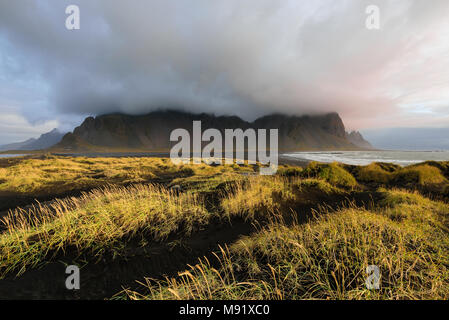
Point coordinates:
[[333, 173]]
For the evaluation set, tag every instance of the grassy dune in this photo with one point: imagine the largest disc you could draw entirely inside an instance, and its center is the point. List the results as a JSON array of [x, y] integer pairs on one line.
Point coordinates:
[[50, 175], [318, 227], [104, 220], [99, 221], [326, 258]]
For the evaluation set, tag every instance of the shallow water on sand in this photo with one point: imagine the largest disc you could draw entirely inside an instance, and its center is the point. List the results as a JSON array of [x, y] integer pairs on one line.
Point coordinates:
[[402, 158]]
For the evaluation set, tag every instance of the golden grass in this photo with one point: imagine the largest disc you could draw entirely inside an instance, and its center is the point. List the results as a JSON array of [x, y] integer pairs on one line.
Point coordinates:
[[255, 195], [104, 220], [97, 222], [327, 259], [405, 234], [262, 196], [423, 175], [333, 173], [373, 173], [58, 175]]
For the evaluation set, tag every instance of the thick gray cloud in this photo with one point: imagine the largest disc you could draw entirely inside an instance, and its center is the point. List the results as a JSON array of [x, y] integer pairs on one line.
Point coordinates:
[[248, 58]]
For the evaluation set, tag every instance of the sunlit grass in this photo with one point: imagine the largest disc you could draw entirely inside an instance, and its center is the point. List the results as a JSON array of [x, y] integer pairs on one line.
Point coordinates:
[[141, 201], [57, 175], [327, 259], [333, 173], [374, 173], [97, 222], [259, 196]]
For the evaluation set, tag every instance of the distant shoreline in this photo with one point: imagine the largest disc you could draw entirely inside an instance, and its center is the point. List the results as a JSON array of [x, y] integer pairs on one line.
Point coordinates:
[[285, 158]]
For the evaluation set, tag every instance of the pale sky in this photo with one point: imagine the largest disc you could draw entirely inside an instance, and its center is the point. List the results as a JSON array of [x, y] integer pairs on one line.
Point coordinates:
[[248, 58]]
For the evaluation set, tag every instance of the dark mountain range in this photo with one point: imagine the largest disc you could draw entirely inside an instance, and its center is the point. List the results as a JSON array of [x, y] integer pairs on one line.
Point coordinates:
[[152, 131], [45, 141]]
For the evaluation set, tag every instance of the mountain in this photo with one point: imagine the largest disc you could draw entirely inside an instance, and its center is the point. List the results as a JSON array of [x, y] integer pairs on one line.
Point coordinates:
[[17, 145], [356, 138], [152, 131], [45, 141]]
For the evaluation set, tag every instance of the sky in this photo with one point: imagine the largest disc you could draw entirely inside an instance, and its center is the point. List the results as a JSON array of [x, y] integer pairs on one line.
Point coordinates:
[[429, 139], [247, 58]]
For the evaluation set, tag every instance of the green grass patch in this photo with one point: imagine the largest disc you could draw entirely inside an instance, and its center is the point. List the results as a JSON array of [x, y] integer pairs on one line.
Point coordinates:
[[374, 173], [333, 173]]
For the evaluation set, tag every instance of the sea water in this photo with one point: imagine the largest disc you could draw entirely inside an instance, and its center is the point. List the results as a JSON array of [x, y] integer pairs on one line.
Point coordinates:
[[402, 158]]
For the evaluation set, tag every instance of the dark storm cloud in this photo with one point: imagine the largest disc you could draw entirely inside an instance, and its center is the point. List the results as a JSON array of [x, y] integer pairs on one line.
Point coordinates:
[[232, 57]]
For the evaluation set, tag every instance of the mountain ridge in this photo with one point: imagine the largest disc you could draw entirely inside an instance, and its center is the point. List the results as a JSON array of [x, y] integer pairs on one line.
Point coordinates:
[[44, 141], [151, 132]]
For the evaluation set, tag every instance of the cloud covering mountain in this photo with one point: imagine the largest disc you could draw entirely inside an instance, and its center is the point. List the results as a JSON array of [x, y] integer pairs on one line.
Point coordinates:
[[248, 58]]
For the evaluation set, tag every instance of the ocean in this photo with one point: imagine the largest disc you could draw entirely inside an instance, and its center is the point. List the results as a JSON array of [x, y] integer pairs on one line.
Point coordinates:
[[402, 158]]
